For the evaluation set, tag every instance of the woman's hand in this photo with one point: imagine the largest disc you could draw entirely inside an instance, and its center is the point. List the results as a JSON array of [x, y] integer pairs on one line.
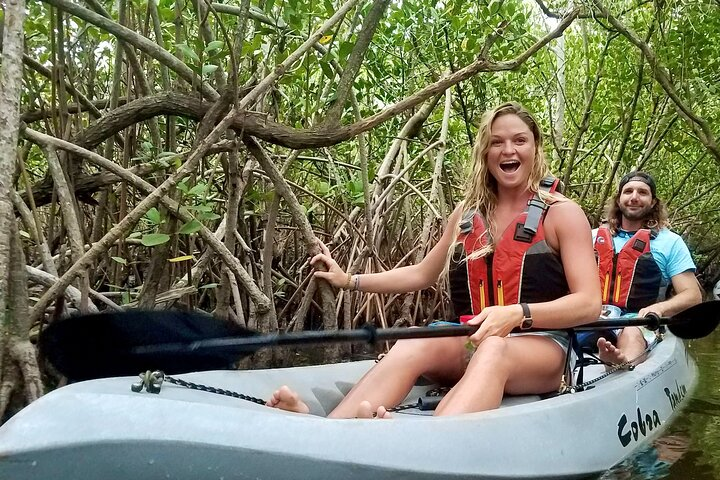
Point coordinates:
[[335, 275], [497, 321]]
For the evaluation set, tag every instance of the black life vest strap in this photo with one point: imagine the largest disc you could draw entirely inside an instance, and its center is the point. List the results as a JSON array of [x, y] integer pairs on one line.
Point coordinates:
[[466, 222], [574, 347], [537, 208]]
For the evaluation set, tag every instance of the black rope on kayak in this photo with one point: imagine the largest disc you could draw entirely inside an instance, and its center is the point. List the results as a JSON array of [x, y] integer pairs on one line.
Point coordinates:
[[152, 382]]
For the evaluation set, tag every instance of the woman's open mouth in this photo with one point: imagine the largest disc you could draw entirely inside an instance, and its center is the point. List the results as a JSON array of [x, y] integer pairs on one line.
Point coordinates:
[[510, 166]]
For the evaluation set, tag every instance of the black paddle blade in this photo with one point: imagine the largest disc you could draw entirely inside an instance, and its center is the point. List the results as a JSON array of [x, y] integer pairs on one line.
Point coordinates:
[[102, 345], [697, 321]]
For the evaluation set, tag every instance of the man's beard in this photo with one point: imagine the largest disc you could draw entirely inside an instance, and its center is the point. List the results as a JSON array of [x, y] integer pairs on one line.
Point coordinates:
[[637, 214]]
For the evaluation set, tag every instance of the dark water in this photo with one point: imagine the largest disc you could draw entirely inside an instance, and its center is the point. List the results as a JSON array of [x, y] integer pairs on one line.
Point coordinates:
[[690, 447]]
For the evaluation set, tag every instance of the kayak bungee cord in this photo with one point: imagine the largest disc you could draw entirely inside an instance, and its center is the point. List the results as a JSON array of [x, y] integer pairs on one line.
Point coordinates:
[[152, 382]]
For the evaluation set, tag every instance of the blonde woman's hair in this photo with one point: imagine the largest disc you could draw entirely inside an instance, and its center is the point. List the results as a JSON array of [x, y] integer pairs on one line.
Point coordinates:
[[481, 191]]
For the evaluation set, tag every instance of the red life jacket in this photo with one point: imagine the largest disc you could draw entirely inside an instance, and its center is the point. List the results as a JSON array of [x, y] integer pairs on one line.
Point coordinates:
[[630, 278], [523, 267]]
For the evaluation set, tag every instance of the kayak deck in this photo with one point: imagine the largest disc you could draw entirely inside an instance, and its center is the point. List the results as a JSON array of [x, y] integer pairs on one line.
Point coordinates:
[[101, 429]]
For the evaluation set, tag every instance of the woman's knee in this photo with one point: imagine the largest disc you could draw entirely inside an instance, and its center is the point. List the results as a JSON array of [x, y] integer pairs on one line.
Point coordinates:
[[493, 350]]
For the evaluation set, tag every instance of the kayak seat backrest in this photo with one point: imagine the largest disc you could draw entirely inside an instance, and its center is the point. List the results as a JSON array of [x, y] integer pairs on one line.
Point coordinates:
[[327, 398], [344, 387]]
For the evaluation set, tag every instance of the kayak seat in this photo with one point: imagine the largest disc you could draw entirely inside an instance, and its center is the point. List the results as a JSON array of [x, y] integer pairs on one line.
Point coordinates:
[[588, 340]]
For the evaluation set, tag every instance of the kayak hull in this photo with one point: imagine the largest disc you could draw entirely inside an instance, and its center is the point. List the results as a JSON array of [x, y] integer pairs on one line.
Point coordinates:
[[100, 429]]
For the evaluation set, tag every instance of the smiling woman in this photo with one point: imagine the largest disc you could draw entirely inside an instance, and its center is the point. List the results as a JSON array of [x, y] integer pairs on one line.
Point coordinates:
[[509, 224]]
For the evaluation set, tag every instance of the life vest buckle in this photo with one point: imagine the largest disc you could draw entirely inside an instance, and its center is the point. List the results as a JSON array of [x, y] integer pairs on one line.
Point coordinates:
[[522, 234], [536, 202]]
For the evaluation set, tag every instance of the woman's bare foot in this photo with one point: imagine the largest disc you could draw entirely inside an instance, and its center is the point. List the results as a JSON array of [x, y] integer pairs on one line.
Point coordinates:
[[609, 353], [286, 399], [365, 411]]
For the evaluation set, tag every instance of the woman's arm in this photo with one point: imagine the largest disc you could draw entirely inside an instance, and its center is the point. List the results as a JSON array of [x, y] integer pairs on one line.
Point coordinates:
[[396, 280], [568, 230]]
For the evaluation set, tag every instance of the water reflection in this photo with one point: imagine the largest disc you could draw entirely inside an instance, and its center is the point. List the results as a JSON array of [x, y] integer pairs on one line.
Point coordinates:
[[653, 462], [687, 450]]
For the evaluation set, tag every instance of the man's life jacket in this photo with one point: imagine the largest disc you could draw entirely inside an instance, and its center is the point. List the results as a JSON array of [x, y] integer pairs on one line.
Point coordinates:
[[630, 278], [523, 267]]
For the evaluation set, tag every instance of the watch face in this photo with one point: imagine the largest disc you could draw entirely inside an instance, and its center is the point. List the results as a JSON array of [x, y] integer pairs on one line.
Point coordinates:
[[526, 323]]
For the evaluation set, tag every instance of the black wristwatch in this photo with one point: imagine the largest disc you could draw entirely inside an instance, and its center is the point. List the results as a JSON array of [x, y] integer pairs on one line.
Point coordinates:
[[527, 321]]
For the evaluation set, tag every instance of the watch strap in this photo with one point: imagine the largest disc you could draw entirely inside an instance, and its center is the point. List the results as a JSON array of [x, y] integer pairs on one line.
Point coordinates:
[[527, 317]]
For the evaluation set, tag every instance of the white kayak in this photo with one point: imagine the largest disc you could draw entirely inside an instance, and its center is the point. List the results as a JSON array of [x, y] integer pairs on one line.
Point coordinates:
[[100, 429]]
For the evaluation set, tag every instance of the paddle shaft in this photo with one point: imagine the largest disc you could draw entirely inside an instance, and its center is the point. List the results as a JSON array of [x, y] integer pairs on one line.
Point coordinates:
[[369, 335]]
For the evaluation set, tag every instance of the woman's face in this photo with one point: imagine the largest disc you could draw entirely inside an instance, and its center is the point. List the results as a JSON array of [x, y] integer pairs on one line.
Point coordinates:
[[511, 152]]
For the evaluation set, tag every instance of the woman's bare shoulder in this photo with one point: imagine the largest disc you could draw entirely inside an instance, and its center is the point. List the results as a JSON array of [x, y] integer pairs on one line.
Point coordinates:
[[456, 213], [564, 210]]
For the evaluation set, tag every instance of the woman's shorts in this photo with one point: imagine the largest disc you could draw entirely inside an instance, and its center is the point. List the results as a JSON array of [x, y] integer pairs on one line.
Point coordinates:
[[559, 337]]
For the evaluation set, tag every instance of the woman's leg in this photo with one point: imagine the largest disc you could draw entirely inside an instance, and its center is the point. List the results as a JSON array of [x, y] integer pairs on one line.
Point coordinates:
[[516, 365], [388, 382]]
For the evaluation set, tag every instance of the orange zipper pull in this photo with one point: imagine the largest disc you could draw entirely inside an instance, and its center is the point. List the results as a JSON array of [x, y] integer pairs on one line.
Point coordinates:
[[482, 295], [606, 288]]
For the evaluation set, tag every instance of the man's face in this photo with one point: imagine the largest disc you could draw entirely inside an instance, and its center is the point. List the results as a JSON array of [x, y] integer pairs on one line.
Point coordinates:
[[636, 200]]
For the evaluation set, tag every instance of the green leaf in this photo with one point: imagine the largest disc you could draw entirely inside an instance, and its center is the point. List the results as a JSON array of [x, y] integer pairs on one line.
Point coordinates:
[[153, 239], [345, 50], [208, 69], [190, 227], [323, 188], [120, 260], [153, 216], [187, 51], [198, 189], [327, 70], [182, 186], [354, 186], [214, 45]]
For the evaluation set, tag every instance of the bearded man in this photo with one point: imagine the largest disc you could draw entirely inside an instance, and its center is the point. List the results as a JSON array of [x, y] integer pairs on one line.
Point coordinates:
[[638, 258]]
